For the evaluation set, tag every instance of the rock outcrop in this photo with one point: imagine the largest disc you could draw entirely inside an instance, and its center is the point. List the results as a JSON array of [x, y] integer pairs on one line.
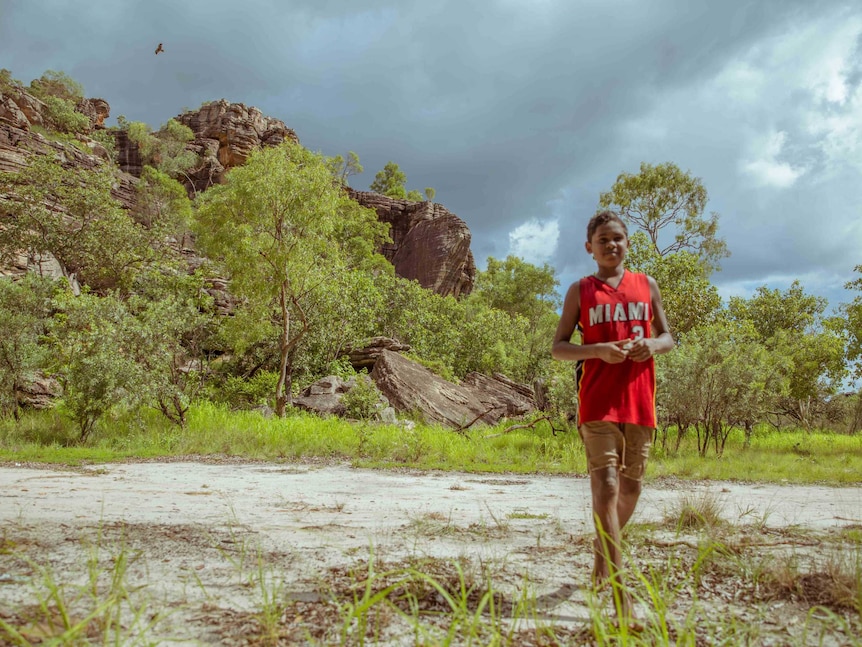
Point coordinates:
[[365, 357], [39, 392], [226, 134], [18, 142], [429, 243], [413, 389]]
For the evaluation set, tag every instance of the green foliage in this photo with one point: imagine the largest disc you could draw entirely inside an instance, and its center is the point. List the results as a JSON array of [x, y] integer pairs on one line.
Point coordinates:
[[172, 325], [527, 293], [7, 83], [70, 214], [247, 393], [689, 298], [283, 210], [163, 208], [91, 338], [60, 94], [562, 391], [719, 376], [24, 312], [165, 149], [364, 400], [57, 84], [517, 287], [791, 324], [62, 116], [853, 324], [342, 168], [391, 181], [664, 197]]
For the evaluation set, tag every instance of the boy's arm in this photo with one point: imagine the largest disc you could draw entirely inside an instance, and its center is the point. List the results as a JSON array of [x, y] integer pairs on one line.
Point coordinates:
[[611, 352], [662, 341]]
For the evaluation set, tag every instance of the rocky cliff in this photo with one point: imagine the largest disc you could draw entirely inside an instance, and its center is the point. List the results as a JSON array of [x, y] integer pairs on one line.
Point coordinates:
[[429, 243]]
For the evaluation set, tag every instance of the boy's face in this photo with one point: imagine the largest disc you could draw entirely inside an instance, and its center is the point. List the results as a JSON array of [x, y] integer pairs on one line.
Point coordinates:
[[609, 244]]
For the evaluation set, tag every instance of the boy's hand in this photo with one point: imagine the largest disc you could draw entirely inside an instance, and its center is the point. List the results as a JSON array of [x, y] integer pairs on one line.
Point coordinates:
[[615, 352], [641, 350]]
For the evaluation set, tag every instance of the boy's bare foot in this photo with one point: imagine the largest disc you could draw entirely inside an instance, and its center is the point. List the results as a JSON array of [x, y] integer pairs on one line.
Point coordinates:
[[600, 573]]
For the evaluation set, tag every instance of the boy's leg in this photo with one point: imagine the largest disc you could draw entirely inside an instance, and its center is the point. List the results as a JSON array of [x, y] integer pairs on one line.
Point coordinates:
[[616, 458], [604, 485], [604, 443], [638, 440]]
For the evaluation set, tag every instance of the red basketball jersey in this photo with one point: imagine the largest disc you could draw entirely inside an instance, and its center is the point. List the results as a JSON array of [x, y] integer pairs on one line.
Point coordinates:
[[624, 392]]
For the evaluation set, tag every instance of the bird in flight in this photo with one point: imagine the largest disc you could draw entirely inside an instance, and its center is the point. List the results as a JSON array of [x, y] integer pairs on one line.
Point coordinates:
[[160, 48]]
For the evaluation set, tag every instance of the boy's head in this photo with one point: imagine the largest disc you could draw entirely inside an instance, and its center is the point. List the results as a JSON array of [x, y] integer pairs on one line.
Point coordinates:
[[602, 218]]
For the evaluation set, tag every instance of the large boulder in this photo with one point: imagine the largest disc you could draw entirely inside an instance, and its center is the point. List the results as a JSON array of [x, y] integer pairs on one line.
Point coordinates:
[[366, 357], [499, 391], [39, 392], [413, 389]]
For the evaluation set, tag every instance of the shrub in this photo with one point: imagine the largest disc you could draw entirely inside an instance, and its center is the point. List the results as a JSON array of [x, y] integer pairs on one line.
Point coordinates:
[[247, 393], [62, 116], [364, 401]]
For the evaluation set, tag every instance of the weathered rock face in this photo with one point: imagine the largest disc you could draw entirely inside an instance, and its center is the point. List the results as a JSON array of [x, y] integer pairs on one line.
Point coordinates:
[[429, 243], [40, 392], [18, 142], [364, 358], [324, 396], [96, 110], [499, 391], [226, 134], [411, 388]]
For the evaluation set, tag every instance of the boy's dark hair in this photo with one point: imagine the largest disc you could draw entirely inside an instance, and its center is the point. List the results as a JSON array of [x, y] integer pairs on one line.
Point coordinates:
[[603, 218]]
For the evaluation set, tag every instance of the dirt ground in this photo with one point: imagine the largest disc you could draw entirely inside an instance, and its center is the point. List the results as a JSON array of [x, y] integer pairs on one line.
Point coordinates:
[[261, 553]]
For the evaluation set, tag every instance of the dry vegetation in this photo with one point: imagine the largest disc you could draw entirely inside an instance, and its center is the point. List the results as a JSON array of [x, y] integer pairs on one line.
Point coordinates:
[[699, 580]]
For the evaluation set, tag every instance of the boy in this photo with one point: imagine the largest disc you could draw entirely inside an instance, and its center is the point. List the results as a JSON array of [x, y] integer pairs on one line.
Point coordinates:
[[622, 324]]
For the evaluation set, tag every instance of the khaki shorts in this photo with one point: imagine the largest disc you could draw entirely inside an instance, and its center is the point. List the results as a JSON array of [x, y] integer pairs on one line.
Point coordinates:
[[621, 445]]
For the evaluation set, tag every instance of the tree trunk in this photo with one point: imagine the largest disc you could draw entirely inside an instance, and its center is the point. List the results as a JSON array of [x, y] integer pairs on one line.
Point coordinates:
[[280, 398]]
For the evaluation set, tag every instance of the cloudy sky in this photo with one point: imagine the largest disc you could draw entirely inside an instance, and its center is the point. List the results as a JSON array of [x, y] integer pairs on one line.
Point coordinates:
[[519, 112]]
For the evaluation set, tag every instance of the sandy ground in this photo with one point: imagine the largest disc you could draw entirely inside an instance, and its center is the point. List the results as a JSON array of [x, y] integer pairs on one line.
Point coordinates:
[[209, 541]]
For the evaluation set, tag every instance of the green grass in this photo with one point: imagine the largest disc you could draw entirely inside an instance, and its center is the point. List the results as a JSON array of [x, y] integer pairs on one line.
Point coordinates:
[[774, 456]]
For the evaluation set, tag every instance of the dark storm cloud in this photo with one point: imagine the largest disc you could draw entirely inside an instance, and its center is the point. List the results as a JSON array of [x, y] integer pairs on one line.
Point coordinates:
[[512, 111]]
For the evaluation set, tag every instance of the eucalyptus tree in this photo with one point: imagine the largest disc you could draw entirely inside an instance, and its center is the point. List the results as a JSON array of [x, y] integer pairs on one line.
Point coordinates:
[[853, 317], [668, 205], [70, 214], [521, 289], [284, 230], [391, 181], [689, 297], [25, 308], [793, 324]]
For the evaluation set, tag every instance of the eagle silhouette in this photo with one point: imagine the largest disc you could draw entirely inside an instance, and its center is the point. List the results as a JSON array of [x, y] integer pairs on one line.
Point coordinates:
[[160, 48]]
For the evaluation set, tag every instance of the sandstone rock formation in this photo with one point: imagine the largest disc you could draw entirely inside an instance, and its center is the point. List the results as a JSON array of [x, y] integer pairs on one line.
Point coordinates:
[[96, 110], [498, 390], [364, 358], [412, 389], [226, 134], [429, 243], [324, 396], [18, 142], [39, 392]]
